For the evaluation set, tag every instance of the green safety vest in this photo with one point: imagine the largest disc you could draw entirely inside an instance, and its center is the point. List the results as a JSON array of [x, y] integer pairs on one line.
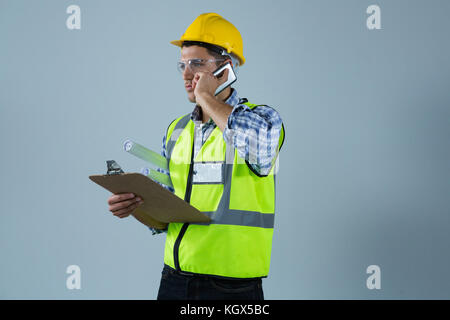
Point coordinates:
[[237, 242]]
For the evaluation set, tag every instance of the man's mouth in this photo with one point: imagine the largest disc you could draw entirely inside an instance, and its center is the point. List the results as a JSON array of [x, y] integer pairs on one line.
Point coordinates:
[[188, 87]]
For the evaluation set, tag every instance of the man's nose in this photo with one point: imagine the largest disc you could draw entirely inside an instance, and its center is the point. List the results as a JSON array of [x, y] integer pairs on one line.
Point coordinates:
[[187, 74]]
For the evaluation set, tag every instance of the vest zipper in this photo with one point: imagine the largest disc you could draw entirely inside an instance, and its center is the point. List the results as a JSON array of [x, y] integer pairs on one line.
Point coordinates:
[[187, 198]]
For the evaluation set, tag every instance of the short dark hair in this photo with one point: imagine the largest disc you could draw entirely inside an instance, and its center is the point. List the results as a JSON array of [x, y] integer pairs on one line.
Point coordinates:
[[213, 50]]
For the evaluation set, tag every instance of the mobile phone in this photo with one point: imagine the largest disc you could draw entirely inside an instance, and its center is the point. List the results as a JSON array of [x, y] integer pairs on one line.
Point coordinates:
[[231, 77]]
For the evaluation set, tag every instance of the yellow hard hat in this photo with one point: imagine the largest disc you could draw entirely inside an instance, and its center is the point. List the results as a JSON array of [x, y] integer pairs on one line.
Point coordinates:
[[214, 29]]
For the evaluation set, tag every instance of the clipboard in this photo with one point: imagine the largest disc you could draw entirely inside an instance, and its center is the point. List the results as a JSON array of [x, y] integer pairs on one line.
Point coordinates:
[[160, 206]]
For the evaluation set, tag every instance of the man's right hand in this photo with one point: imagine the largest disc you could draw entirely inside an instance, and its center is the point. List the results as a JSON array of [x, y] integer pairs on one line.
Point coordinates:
[[123, 204]]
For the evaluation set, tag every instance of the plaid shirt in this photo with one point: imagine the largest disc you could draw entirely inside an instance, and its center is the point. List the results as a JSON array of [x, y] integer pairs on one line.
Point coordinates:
[[253, 132]]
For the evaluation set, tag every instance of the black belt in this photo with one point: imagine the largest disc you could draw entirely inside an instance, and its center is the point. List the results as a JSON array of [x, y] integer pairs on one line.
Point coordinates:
[[200, 275]]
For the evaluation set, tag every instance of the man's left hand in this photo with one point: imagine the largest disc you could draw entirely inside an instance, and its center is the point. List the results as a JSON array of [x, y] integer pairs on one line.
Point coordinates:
[[207, 83]]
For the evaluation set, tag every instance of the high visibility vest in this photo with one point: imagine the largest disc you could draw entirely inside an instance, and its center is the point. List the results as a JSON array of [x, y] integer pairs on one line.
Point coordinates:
[[237, 242]]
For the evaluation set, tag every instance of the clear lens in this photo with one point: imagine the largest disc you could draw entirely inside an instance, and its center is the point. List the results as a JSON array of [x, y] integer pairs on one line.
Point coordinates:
[[195, 65], [181, 66]]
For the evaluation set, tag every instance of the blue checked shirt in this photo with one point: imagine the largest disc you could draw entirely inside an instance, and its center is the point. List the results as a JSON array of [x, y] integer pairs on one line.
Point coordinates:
[[253, 132]]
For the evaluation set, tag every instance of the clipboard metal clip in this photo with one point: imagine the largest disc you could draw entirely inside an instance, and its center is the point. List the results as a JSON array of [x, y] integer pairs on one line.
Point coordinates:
[[113, 168]]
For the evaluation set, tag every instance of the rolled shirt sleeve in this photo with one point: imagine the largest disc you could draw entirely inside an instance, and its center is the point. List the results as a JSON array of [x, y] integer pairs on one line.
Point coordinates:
[[255, 134]]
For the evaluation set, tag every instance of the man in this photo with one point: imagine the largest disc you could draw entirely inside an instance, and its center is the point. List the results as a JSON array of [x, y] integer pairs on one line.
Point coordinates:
[[221, 160]]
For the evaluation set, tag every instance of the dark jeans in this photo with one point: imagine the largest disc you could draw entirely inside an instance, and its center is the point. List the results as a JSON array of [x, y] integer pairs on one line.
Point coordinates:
[[176, 286]]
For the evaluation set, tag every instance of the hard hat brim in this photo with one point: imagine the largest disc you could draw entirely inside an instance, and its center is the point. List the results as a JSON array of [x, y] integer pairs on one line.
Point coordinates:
[[177, 42]]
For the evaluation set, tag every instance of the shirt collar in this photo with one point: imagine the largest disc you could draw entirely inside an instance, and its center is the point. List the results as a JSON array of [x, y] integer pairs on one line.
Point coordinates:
[[232, 100]]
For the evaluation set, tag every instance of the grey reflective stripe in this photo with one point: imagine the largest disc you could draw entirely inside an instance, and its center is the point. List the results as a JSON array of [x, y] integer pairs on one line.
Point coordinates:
[[181, 124], [241, 218]]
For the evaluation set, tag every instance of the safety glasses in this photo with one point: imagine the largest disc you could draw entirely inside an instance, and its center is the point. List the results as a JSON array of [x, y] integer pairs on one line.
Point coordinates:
[[195, 65]]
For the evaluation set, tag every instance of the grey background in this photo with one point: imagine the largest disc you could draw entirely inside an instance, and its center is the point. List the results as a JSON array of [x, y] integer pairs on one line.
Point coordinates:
[[364, 171]]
